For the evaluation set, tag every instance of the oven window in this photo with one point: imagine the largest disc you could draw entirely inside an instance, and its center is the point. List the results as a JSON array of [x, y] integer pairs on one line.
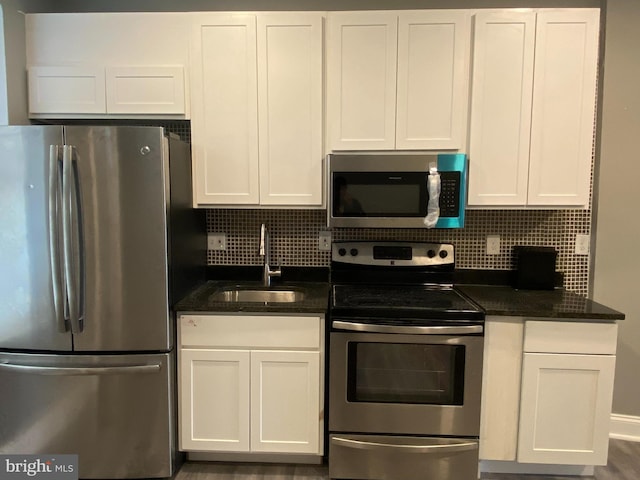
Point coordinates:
[[405, 373]]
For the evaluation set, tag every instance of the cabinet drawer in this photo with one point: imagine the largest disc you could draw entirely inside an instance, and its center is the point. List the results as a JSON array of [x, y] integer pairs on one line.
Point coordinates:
[[255, 331], [570, 337]]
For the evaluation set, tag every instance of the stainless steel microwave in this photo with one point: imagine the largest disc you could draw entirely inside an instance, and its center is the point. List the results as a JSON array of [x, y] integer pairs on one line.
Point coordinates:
[[389, 190]]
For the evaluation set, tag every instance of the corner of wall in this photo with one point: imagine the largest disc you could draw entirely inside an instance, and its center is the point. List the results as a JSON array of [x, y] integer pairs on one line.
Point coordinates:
[[4, 110]]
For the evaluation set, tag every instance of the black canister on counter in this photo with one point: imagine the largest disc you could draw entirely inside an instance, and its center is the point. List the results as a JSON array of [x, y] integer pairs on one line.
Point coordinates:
[[535, 267]]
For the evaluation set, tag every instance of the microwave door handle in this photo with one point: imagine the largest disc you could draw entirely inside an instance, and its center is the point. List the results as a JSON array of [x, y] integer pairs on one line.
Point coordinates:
[[416, 448], [419, 330]]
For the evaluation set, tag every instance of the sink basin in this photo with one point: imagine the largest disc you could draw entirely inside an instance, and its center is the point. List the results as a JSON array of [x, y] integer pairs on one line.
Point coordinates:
[[258, 295]]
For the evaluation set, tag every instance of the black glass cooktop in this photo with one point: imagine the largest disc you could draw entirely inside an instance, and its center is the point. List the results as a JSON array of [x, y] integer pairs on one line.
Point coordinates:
[[402, 300]]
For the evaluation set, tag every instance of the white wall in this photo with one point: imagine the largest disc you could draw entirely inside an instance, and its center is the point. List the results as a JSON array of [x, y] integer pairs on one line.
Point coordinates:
[[13, 75], [617, 229], [4, 110]]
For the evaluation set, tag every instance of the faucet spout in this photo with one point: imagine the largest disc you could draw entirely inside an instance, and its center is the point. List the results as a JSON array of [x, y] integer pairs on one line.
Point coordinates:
[[264, 250]]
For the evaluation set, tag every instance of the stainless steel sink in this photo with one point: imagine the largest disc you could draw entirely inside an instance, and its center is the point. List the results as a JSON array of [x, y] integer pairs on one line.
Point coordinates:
[[258, 295]]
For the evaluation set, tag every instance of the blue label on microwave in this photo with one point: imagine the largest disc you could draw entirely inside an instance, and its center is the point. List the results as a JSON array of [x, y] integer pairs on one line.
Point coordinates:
[[453, 162]]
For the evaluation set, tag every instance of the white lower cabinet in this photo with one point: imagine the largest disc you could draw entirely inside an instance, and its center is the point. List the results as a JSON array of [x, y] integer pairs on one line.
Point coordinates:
[[251, 383], [567, 390], [214, 400], [547, 391], [566, 408], [285, 401]]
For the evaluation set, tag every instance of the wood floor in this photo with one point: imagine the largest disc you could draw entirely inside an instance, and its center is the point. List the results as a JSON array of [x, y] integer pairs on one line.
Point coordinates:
[[624, 464]]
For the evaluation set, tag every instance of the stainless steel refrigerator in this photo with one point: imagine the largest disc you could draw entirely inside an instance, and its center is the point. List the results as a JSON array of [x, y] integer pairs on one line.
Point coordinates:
[[97, 239]]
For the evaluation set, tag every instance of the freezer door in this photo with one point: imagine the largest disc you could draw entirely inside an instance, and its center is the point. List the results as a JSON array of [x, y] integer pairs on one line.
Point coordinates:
[[122, 238], [114, 411], [29, 233]]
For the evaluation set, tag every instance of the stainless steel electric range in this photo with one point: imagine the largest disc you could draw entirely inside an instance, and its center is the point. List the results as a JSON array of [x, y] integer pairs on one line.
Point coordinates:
[[405, 372]]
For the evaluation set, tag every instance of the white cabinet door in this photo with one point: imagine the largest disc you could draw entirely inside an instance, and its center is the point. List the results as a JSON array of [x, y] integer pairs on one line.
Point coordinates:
[[145, 89], [501, 108], [224, 129], [144, 55], [285, 402], [214, 400], [564, 98], [433, 58], [66, 89], [290, 108], [361, 80], [565, 408], [532, 120]]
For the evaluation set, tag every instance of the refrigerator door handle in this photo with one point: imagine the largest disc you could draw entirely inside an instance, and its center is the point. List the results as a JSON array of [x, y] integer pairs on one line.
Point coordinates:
[[44, 370], [72, 238], [54, 204]]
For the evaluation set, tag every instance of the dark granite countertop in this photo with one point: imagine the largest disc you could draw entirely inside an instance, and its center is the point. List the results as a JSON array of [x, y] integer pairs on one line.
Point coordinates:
[[492, 293], [200, 300], [557, 304]]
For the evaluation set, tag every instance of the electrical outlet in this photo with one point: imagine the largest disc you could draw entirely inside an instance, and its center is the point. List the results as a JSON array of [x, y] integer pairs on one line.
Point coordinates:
[[217, 241], [582, 244], [493, 244], [324, 241]]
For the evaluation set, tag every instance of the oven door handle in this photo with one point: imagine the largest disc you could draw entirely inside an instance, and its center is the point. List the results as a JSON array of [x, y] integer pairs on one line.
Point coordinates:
[[416, 448], [419, 330]]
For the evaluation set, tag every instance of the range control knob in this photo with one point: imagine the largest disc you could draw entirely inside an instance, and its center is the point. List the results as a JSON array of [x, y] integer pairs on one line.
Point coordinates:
[[443, 254], [342, 252], [431, 253], [353, 252]]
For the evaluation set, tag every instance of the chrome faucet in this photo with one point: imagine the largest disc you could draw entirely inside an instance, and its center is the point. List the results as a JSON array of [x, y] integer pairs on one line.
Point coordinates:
[[264, 251]]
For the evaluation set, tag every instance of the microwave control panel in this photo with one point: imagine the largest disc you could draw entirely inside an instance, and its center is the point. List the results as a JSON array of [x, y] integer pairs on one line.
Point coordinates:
[[449, 194]]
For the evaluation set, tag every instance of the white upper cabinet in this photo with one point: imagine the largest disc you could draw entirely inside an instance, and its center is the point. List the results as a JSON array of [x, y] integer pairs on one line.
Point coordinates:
[[501, 108], [257, 109], [224, 126], [533, 107], [432, 84], [564, 100], [145, 89], [66, 89], [397, 80], [290, 87], [107, 65], [361, 79]]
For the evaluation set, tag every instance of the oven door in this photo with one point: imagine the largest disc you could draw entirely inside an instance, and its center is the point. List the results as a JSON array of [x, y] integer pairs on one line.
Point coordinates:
[[423, 383]]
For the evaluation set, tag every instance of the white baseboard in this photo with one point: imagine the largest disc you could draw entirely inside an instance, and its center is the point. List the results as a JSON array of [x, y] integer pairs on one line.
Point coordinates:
[[535, 468], [625, 427]]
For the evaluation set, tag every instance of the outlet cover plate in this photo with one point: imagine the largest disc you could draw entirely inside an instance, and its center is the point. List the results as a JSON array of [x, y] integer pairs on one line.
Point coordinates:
[[324, 241], [582, 244], [217, 241], [493, 244]]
